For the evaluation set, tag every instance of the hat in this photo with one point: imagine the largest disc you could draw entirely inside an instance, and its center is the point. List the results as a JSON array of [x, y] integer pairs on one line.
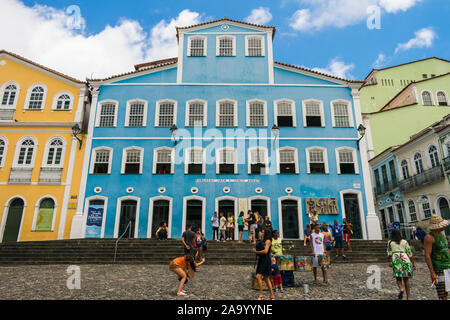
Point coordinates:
[[436, 222]]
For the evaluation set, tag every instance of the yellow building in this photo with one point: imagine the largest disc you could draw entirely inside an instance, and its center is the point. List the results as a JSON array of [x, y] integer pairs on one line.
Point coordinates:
[[41, 116]]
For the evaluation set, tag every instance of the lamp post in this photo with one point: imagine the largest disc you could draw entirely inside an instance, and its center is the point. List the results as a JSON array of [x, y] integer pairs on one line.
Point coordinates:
[[275, 133], [76, 130], [173, 130], [362, 133]]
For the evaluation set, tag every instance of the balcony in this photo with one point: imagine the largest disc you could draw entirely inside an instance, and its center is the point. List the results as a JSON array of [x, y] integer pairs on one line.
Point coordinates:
[[7, 114], [447, 164], [385, 188], [20, 175], [429, 176], [50, 175]]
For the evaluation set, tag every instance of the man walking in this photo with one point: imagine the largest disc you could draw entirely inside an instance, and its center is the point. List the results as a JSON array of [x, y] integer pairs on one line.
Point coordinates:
[[337, 236]]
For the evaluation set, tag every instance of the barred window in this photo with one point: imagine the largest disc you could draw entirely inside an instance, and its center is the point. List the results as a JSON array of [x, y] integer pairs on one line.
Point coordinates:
[[101, 163], [195, 161], [316, 161], [258, 161], [287, 161], [2, 151], [426, 98], [341, 114], [226, 161], [226, 114], [164, 162], [412, 210], [197, 47], [441, 98], [63, 102], [346, 162], [313, 114], [426, 207], [285, 114], [136, 114], [196, 114], [257, 114], [36, 98], [107, 115], [133, 161], [26, 152], [9, 95], [166, 114], [55, 153], [254, 47], [225, 47]]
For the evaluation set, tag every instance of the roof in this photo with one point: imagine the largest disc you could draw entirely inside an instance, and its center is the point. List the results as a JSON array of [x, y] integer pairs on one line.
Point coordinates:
[[155, 63], [4, 52], [224, 19], [383, 153]]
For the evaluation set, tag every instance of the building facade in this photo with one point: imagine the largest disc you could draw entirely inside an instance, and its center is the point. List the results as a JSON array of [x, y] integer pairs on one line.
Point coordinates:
[[226, 97], [40, 158]]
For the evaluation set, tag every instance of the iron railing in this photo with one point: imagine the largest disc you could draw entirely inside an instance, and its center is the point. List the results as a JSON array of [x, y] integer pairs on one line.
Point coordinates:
[[423, 178], [385, 187], [117, 242]]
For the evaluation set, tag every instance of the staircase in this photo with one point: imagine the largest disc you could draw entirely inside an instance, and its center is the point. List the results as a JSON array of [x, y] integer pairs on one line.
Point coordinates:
[[150, 251]]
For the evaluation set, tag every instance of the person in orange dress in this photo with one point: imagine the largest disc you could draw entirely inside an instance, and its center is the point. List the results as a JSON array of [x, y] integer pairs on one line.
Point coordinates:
[[184, 267]]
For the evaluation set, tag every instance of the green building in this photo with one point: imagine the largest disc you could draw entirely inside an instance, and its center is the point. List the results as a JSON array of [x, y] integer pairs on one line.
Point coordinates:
[[399, 101]]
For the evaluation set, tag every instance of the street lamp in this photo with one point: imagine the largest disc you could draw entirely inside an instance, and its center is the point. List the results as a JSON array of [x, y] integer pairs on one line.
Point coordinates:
[[275, 133], [76, 130], [362, 133], [173, 130]]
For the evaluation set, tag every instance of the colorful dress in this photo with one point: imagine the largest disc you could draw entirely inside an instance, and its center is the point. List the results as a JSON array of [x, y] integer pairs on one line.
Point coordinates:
[[440, 259], [400, 255]]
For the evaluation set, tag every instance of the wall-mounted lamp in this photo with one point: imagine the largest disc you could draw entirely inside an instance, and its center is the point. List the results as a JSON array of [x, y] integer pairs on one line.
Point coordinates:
[[76, 130], [362, 133], [275, 134], [173, 130]]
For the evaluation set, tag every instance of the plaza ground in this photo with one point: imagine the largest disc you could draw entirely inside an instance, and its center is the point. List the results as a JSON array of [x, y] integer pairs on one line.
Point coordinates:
[[346, 281]]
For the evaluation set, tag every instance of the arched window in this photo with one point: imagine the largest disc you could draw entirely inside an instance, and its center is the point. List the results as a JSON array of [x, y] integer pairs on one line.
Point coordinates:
[[26, 152], [55, 153], [36, 99], [9, 96], [405, 169], [412, 210], [63, 102], [434, 157], [426, 209], [442, 99], [44, 219], [418, 163], [426, 98]]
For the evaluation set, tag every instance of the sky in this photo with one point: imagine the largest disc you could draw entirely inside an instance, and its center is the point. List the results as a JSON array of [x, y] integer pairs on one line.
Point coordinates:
[[345, 38]]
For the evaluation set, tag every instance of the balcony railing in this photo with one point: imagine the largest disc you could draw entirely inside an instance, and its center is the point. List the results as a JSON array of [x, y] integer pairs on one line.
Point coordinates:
[[385, 187], [421, 179], [50, 175], [447, 164], [7, 114], [20, 175]]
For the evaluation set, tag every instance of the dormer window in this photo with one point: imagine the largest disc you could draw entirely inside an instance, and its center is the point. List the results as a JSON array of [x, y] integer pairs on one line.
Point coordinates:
[[254, 46], [197, 46], [226, 46]]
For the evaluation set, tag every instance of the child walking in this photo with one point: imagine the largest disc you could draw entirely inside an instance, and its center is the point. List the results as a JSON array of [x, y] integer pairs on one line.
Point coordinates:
[[276, 276]]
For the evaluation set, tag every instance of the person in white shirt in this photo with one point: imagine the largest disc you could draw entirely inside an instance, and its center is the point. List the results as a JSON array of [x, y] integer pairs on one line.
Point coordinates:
[[222, 227], [215, 226], [318, 249]]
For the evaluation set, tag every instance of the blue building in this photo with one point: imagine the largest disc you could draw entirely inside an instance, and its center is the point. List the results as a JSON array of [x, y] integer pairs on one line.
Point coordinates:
[[223, 128]]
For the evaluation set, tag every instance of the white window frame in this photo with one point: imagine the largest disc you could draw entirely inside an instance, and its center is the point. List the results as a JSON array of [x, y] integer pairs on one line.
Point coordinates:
[[28, 97], [295, 158], [421, 209], [47, 150], [235, 158], [124, 158], [415, 210], [322, 114], [350, 112], [235, 111], [36, 212], [99, 109], [218, 38], [355, 158], [155, 158], [187, 154], [248, 102], [17, 152], [150, 216], [157, 111], [263, 45], [431, 97], [413, 161], [275, 111], [437, 98], [16, 98], [401, 168], [205, 45], [266, 159], [5, 150], [438, 158], [325, 158], [205, 112], [119, 207], [55, 101], [128, 108], [94, 154]]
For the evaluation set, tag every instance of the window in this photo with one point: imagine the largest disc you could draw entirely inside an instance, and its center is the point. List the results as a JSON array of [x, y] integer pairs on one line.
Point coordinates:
[[164, 162], [254, 46], [418, 163], [196, 113], [101, 161], [376, 173], [288, 161], [393, 174], [347, 161], [384, 176], [412, 210], [62, 101], [136, 114], [258, 160], [195, 161], [9, 95], [226, 161], [36, 98], [26, 153], [107, 115], [55, 153], [133, 160], [256, 113], [317, 161], [44, 219], [434, 157], [426, 99], [226, 46], [441, 98], [3, 145], [197, 46], [313, 114], [426, 207], [405, 169], [166, 112], [285, 113], [226, 111], [341, 114]]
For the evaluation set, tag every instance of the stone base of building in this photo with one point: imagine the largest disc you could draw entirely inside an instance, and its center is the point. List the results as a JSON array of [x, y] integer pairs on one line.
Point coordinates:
[[373, 227], [77, 227]]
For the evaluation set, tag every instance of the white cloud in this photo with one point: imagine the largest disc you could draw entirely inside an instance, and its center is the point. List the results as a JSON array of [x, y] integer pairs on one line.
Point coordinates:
[[44, 34], [338, 68], [381, 59], [260, 15], [424, 38], [319, 14]]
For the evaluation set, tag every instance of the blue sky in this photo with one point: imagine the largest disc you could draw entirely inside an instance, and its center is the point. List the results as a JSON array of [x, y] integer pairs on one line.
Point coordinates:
[[339, 41]]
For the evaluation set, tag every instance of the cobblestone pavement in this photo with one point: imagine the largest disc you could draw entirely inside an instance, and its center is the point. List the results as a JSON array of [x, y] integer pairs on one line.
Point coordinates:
[[346, 281]]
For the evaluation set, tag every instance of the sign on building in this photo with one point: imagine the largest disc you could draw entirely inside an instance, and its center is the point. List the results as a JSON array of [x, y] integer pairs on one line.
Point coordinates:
[[322, 205]]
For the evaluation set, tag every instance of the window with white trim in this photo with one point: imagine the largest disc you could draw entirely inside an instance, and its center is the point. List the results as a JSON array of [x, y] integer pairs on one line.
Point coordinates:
[[287, 161], [412, 210], [317, 160], [36, 99], [418, 163], [165, 113], [313, 114], [197, 46], [256, 113], [405, 169], [434, 157], [195, 163], [226, 161], [63, 102], [9, 96], [254, 46], [107, 115], [136, 113], [258, 161], [2, 151], [226, 113], [347, 161], [164, 161], [132, 161], [55, 153], [342, 117], [196, 113], [26, 152], [426, 209], [225, 46], [441, 98], [427, 99], [101, 161], [285, 113]]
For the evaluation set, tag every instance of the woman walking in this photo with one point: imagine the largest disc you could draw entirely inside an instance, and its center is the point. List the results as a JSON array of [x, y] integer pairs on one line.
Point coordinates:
[[347, 233], [184, 267], [264, 266], [215, 226], [230, 226], [241, 226], [402, 262]]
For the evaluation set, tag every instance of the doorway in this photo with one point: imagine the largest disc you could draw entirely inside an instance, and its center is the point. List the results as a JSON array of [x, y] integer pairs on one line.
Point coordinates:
[[13, 221], [227, 207], [127, 216], [352, 213], [260, 206], [160, 214], [444, 209], [194, 214], [289, 216]]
